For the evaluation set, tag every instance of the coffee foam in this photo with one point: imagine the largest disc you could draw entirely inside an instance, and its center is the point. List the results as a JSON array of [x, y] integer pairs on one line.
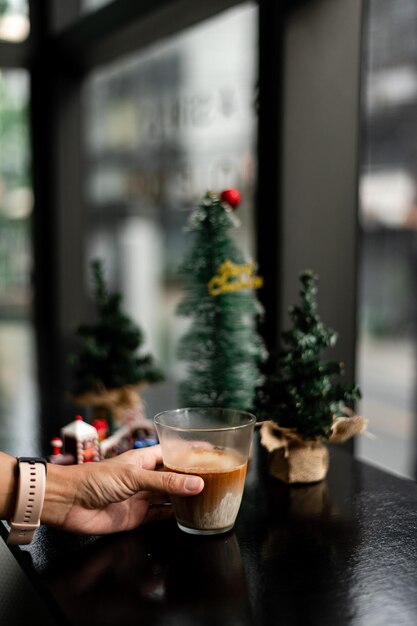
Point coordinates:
[[202, 459]]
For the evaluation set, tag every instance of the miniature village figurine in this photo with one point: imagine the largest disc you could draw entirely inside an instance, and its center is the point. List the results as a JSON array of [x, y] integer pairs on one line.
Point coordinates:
[[81, 440]]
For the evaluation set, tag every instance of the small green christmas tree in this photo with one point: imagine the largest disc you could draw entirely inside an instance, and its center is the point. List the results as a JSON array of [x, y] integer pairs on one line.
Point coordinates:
[[222, 348], [108, 357], [305, 393]]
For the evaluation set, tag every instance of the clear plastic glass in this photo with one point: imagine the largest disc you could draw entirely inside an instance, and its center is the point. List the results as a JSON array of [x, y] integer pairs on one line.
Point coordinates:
[[214, 444]]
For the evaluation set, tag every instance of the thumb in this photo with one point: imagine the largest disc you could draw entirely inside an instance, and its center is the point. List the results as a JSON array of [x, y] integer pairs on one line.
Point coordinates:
[[169, 482]]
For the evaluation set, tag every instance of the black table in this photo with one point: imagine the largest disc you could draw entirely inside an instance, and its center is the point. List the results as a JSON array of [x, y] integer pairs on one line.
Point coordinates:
[[343, 551]]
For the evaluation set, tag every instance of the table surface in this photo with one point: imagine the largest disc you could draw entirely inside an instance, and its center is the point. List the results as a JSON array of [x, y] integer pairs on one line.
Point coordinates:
[[343, 551]]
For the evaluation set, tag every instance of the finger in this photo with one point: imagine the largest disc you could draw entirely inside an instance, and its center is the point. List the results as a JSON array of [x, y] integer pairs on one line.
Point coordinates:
[[148, 458], [168, 482], [152, 457]]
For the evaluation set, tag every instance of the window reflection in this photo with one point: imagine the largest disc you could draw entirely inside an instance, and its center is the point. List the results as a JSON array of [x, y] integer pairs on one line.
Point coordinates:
[[388, 219], [163, 127]]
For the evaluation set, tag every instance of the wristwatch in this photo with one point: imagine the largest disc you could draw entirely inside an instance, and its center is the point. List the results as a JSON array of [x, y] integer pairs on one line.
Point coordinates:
[[31, 481]]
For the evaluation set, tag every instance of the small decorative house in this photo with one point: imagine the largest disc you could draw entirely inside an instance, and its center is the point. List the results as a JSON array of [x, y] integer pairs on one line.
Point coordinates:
[[81, 440]]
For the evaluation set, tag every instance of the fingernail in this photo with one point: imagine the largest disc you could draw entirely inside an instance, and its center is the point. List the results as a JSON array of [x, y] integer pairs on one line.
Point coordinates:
[[192, 483]]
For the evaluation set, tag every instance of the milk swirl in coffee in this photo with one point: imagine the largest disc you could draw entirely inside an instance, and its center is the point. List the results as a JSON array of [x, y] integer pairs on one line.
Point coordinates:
[[223, 472]]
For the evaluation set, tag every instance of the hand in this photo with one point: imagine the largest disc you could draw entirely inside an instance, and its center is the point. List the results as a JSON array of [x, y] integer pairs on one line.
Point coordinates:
[[113, 495]]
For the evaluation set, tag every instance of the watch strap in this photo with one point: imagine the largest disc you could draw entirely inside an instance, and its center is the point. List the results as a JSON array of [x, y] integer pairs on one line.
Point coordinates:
[[29, 501]]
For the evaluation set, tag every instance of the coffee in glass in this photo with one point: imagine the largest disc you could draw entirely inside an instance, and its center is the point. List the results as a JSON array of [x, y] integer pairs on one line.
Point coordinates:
[[213, 444]]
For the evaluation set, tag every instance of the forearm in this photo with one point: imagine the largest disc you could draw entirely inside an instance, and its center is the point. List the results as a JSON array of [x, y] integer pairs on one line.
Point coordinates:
[[8, 485]]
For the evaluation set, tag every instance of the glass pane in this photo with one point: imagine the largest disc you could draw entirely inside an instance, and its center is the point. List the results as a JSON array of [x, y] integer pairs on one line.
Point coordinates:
[[163, 127], [18, 402], [388, 305], [14, 20]]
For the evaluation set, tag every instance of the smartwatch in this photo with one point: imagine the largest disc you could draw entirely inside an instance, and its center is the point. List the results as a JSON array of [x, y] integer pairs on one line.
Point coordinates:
[[31, 481]]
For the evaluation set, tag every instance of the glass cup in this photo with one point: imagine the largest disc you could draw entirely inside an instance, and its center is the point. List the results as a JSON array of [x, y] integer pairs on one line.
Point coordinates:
[[214, 444]]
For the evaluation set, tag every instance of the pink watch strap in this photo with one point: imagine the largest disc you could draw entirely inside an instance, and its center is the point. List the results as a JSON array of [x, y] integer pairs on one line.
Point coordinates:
[[29, 502]]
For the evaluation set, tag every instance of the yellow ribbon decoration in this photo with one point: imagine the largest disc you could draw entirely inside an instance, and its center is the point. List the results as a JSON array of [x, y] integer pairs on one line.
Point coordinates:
[[232, 277]]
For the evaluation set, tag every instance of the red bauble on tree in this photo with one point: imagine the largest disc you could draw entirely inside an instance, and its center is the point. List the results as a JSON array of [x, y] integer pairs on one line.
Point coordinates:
[[232, 197]]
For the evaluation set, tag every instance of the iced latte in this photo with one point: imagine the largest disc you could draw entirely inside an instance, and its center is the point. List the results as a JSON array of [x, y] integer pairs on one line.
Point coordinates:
[[213, 444], [216, 507]]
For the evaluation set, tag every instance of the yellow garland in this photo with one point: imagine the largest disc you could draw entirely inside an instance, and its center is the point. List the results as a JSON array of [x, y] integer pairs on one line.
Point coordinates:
[[232, 277]]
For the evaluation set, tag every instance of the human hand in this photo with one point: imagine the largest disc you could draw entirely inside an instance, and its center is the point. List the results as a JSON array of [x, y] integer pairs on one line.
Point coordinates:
[[114, 495]]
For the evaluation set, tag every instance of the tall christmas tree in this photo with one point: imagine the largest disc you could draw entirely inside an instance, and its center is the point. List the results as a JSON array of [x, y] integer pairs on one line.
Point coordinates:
[[222, 348], [305, 393], [109, 357]]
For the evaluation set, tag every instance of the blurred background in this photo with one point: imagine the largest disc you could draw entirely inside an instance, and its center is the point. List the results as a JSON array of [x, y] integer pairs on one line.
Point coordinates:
[[116, 117]]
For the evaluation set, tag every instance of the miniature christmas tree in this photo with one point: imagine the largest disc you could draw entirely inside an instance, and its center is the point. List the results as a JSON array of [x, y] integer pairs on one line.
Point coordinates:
[[305, 394], [109, 358], [222, 348]]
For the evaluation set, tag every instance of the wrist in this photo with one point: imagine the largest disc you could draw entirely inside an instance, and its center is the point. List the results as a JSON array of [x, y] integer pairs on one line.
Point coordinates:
[[8, 485], [59, 494]]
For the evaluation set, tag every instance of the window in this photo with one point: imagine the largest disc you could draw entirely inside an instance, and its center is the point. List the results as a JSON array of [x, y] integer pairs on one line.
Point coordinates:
[[164, 126], [14, 20], [388, 218], [166, 101], [17, 383]]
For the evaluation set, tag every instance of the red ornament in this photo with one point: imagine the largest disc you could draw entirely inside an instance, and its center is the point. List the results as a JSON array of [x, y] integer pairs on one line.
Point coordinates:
[[102, 427], [231, 196]]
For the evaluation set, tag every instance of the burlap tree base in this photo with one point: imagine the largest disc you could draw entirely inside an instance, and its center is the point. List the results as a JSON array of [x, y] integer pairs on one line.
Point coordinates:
[[293, 459]]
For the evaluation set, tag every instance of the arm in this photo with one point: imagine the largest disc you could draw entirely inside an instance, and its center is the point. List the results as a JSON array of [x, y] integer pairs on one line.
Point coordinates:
[[110, 496], [8, 485]]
